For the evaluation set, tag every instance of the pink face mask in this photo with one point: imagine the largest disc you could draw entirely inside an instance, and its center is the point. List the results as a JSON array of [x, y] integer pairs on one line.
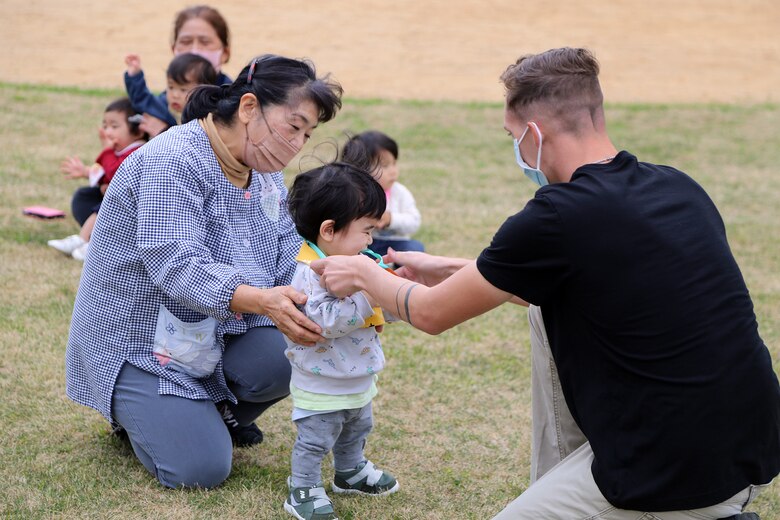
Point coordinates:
[[214, 57], [271, 153]]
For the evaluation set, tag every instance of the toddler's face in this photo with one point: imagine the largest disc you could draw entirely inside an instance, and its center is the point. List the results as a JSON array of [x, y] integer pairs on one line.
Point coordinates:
[[388, 169], [117, 130], [354, 238], [176, 94]]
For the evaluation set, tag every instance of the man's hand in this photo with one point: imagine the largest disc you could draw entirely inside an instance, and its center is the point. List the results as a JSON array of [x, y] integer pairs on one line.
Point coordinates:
[[423, 268], [343, 275]]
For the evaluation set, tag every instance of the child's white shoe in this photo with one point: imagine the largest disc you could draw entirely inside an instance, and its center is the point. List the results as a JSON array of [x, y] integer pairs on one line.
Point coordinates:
[[68, 244], [80, 253]]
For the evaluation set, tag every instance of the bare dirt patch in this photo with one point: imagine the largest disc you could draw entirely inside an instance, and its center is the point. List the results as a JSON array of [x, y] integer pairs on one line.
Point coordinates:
[[662, 51]]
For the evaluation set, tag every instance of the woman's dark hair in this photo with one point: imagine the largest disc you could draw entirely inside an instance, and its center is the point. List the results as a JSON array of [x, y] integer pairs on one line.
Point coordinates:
[[208, 14], [191, 68], [338, 191], [274, 80], [123, 106]]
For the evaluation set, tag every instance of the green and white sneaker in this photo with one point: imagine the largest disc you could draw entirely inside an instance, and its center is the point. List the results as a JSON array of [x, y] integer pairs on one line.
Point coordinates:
[[365, 479], [309, 503]]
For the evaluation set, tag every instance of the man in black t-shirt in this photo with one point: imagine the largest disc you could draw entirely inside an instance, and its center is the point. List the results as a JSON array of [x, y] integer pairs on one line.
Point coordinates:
[[640, 317]]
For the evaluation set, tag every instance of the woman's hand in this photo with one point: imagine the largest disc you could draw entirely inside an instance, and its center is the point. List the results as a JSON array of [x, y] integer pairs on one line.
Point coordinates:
[[343, 275], [152, 126], [279, 304], [73, 168]]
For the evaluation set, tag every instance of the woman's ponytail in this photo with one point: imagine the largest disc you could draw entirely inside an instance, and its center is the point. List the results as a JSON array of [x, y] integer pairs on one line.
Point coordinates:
[[201, 101]]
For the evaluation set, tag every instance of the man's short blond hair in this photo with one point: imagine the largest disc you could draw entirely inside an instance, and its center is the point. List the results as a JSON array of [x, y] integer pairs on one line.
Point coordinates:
[[564, 82]]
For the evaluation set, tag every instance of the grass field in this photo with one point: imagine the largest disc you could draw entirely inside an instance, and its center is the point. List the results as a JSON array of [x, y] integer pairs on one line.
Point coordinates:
[[453, 413]]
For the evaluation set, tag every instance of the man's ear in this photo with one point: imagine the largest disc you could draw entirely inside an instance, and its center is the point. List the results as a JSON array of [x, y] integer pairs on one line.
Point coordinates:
[[535, 131], [248, 106], [326, 230]]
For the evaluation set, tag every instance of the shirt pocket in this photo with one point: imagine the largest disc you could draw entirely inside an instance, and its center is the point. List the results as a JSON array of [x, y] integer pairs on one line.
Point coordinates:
[[190, 348]]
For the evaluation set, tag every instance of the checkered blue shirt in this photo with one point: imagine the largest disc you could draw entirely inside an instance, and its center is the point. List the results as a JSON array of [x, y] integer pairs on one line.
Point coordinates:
[[173, 231]]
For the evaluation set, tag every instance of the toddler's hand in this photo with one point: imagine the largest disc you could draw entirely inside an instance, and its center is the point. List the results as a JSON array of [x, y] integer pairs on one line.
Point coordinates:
[[73, 168], [133, 62], [104, 140], [384, 221], [152, 126]]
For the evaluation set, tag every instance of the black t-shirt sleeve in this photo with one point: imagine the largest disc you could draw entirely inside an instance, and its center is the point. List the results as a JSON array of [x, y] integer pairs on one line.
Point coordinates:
[[526, 256]]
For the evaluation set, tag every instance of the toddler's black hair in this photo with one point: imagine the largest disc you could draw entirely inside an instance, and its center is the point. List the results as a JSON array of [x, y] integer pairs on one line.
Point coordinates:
[[338, 191], [123, 106], [188, 67], [370, 142]]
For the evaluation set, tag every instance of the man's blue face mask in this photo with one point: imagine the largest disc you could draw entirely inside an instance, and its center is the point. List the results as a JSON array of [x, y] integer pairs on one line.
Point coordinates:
[[535, 174]]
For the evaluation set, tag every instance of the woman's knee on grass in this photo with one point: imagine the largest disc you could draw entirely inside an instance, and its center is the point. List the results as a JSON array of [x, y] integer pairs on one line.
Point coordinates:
[[268, 388], [206, 470]]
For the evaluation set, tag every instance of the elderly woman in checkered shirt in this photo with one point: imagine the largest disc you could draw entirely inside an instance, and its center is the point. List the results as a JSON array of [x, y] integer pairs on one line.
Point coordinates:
[[176, 335]]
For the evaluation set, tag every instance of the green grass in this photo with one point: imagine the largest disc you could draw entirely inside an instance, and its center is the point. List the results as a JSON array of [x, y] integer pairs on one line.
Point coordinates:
[[453, 413]]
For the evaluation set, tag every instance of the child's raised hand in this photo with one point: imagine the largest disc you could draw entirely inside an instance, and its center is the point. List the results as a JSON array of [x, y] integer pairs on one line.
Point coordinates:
[[133, 62], [73, 168]]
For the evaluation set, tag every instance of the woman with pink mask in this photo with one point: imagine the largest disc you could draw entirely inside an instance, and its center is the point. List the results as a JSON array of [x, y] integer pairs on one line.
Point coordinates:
[[176, 335], [197, 30]]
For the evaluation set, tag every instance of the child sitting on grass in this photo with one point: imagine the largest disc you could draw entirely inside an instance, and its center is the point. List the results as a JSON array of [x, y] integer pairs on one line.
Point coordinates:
[[402, 218], [335, 208], [185, 72], [120, 137]]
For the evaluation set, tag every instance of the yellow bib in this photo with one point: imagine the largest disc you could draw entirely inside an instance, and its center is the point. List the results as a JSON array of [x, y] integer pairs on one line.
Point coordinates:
[[307, 255]]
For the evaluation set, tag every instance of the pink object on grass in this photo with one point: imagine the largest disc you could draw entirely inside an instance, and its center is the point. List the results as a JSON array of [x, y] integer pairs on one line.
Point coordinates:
[[43, 212]]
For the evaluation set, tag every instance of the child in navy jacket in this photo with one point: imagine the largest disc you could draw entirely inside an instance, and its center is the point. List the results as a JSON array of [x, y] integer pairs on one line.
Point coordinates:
[[185, 72]]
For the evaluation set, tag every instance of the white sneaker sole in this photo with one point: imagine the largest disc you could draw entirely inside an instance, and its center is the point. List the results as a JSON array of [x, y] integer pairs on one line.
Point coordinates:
[[390, 491], [290, 509]]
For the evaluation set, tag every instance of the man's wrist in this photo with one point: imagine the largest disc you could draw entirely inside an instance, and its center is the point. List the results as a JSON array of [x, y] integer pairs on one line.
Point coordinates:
[[363, 275], [456, 264]]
